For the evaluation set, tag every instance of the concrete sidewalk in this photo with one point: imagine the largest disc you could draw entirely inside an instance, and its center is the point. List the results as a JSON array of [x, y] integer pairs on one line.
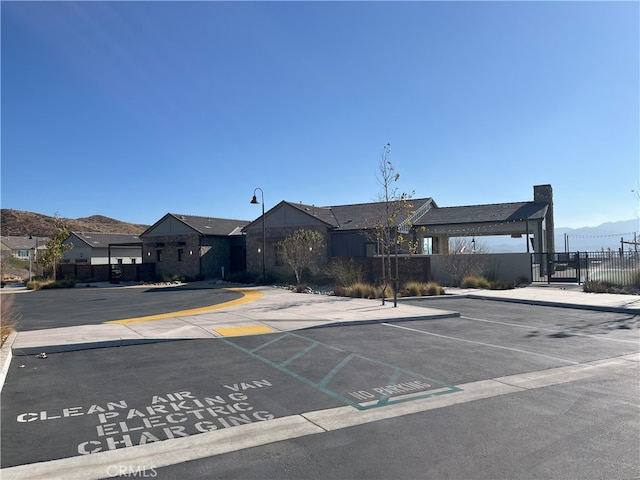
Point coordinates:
[[559, 295], [278, 310]]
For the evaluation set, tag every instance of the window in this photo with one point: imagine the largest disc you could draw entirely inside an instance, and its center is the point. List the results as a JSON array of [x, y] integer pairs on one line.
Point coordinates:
[[158, 255], [427, 246], [180, 254], [370, 249], [279, 258]]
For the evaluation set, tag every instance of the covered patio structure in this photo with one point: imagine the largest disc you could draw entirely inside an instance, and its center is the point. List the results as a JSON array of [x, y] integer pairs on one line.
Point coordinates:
[[532, 221]]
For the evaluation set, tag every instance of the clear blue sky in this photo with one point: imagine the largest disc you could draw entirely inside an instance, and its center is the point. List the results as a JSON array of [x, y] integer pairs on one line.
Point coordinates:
[[135, 109]]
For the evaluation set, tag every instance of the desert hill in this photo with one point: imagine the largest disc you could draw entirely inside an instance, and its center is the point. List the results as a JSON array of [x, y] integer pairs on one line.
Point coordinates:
[[22, 223]]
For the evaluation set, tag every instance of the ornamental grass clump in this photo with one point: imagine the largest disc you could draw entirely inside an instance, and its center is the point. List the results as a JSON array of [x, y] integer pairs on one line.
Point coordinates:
[[8, 319], [416, 289], [362, 290], [473, 281], [433, 288]]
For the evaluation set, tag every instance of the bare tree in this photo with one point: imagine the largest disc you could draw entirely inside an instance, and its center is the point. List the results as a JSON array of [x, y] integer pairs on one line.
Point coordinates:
[[464, 258], [304, 249], [385, 225]]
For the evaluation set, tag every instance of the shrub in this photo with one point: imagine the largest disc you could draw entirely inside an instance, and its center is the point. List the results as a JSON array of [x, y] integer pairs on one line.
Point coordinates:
[[362, 290], [340, 291], [59, 284], [357, 290], [433, 288], [502, 284], [8, 320], [344, 272], [481, 282], [45, 284], [593, 286], [416, 289], [37, 284], [472, 281]]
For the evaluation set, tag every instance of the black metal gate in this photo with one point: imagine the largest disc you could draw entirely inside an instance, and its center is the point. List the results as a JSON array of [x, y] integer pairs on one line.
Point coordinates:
[[557, 267], [609, 267]]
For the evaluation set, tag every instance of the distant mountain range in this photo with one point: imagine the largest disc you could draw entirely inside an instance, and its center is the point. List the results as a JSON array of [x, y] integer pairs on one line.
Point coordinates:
[[585, 239], [20, 223], [593, 239]]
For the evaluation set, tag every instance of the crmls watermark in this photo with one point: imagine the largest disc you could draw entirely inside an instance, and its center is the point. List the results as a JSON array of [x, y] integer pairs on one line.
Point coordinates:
[[139, 471]]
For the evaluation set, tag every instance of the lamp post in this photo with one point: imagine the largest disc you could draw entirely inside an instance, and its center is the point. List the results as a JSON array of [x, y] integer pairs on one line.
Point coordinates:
[[255, 201], [30, 276], [35, 252]]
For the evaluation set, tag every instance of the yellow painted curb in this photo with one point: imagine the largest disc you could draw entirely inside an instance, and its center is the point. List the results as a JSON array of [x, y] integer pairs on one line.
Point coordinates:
[[244, 330], [247, 296]]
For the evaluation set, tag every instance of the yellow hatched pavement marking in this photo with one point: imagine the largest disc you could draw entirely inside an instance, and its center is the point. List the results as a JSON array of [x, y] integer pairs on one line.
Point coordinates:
[[245, 330], [247, 296]]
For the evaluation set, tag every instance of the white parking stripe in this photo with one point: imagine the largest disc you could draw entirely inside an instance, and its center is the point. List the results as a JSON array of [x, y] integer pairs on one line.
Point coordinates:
[[204, 445], [501, 347], [596, 337]]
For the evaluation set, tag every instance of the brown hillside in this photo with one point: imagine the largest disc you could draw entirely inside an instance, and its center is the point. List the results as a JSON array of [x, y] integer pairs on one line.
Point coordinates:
[[21, 223]]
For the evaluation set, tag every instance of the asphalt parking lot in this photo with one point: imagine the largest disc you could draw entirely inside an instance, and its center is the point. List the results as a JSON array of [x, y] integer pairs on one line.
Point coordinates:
[[83, 306], [504, 391]]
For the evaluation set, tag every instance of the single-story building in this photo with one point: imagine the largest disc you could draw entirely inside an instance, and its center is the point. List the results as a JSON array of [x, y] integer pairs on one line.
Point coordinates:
[[350, 230], [91, 248], [23, 248], [195, 247]]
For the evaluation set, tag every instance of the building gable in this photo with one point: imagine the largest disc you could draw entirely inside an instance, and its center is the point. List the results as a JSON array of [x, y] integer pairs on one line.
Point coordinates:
[[288, 215], [169, 225], [176, 224]]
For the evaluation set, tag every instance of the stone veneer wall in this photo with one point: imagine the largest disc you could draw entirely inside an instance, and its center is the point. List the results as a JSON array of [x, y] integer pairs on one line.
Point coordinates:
[[273, 236], [189, 267]]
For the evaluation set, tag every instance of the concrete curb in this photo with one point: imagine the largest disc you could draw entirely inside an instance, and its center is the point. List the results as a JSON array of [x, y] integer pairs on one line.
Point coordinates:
[[545, 303], [351, 323], [75, 347], [6, 353], [529, 301], [124, 342]]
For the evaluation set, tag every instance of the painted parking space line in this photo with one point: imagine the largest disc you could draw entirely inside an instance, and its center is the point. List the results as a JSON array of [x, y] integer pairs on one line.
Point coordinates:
[[355, 380], [219, 442], [247, 296], [484, 344], [243, 330], [544, 329]]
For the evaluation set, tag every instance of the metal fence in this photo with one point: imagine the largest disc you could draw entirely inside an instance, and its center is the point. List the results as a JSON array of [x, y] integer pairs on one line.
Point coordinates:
[[616, 268], [105, 273]]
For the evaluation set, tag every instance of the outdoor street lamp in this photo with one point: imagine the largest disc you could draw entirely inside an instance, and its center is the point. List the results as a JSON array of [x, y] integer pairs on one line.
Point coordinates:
[[35, 251], [255, 201]]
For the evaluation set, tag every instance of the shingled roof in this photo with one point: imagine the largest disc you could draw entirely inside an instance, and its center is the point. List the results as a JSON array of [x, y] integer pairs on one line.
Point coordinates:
[[356, 216], [491, 213], [103, 240], [14, 242], [211, 225]]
